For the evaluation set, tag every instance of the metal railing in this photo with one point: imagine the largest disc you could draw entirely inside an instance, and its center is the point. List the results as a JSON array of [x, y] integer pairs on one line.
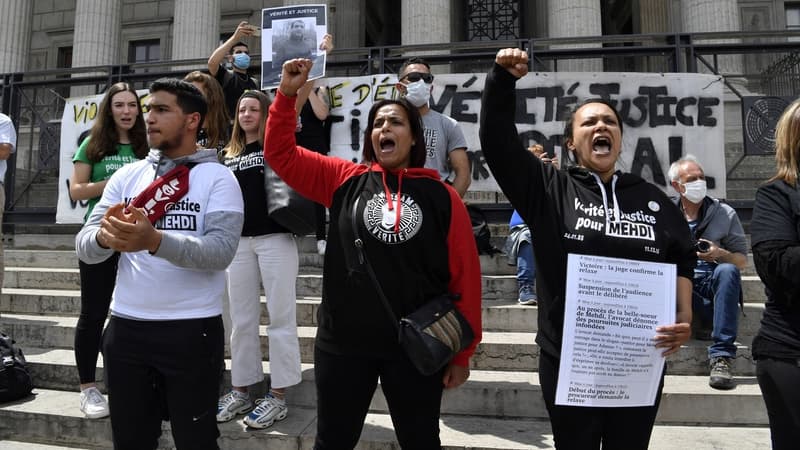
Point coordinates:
[[35, 100]]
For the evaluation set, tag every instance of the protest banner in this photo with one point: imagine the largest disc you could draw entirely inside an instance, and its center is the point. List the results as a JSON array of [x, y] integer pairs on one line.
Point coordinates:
[[664, 117]]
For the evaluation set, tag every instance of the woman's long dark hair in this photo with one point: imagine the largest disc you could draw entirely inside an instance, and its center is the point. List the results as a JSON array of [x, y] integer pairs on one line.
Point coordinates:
[[418, 150], [104, 137]]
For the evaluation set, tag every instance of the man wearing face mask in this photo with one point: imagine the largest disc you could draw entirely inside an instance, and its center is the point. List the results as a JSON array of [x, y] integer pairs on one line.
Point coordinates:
[[721, 249], [446, 146], [235, 81]]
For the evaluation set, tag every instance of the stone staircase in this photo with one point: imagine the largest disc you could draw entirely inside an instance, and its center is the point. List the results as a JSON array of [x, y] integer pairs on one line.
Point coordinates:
[[500, 407]]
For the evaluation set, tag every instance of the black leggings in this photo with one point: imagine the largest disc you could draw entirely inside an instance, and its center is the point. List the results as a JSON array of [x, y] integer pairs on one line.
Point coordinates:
[[778, 380], [319, 212], [97, 286], [345, 385], [580, 428]]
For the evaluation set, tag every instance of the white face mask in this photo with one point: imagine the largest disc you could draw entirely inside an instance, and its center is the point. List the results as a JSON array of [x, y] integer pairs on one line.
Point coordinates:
[[418, 93], [695, 191]]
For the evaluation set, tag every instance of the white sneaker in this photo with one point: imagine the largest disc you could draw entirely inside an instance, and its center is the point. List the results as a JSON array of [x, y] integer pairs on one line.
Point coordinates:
[[269, 410], [93, 404], [232, 404], [321, 244]]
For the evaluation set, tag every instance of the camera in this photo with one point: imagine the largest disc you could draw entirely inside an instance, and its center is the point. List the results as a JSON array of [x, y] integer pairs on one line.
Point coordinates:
[[701, 246]]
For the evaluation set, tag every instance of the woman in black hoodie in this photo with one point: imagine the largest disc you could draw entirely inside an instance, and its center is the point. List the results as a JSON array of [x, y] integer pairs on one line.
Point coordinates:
[[581, 211], [775, 230], [417, 236]]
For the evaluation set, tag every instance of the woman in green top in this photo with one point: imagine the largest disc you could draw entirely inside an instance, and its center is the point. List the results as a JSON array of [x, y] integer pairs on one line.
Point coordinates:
[[118, 137]]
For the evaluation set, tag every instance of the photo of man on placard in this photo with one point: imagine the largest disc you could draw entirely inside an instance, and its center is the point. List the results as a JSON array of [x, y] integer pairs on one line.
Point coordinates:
[[294, 38]]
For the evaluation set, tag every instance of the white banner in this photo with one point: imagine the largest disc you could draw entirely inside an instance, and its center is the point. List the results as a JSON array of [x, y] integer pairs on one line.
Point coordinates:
[[79, 115], [664, 115]]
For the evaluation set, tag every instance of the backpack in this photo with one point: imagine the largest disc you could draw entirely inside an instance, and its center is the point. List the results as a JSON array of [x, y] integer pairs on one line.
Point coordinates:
[[15, 380], [480, 229]]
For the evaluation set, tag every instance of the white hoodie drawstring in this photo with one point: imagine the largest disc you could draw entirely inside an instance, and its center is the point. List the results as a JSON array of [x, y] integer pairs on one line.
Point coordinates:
[[617, 217]]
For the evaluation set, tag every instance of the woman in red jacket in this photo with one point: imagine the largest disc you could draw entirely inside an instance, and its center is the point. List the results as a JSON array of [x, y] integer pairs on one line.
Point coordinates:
[[418, 238]]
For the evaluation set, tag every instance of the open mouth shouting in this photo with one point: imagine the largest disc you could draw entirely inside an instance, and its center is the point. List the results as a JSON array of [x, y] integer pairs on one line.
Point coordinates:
[[601, 144], [387, 145]]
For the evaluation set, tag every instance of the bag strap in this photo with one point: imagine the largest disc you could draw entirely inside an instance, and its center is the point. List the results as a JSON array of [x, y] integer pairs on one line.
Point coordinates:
[[166, 189], [362, 255]]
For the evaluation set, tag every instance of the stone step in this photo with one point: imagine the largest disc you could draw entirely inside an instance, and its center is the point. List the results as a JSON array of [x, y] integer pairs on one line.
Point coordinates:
[[493, 287], [512, 351], [486, 393], [498, 315], [66, 259], [52, 418], [17, 445]]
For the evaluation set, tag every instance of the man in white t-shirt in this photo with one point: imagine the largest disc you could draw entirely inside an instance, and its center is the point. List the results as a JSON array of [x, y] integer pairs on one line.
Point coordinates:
[[8, 145], [447, 148], [163, 346]]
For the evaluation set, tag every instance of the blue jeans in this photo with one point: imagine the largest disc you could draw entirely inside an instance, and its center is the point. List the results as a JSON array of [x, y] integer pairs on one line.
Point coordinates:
[[715, 297], [526, 268]]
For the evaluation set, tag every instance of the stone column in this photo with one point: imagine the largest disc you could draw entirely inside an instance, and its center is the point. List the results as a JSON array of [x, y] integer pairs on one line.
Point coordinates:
[[654, 18], [346, 23], [97, 32], [425, 22], [15, 29], [575, 18], [97, 37], [719, 15], [196, 34]]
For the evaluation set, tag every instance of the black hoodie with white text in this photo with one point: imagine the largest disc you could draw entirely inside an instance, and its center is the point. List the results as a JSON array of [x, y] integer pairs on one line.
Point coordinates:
[[573, 211]]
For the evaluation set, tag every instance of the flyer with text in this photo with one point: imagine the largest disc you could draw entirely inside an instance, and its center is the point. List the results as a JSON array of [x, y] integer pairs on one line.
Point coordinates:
[[608, 356]]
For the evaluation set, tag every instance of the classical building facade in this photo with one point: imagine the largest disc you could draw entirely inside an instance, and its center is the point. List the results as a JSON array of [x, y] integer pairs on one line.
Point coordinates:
[[48, 34], [46, 43]]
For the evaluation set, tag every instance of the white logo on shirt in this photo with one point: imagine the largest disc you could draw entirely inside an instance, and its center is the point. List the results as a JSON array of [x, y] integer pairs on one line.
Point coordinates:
[[381, 222]]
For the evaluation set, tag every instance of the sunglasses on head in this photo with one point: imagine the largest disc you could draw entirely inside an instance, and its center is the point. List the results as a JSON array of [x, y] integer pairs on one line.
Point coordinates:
[[416, 76]]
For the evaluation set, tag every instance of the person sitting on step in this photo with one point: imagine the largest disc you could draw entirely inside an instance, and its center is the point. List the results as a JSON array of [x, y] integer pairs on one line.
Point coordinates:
[[518, 244], [721, 248]]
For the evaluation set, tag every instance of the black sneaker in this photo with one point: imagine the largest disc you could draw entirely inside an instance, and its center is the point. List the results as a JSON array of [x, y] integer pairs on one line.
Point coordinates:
[[721, 377]]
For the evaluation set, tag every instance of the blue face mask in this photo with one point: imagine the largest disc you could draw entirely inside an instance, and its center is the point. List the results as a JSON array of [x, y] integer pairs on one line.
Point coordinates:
[[241, 60]]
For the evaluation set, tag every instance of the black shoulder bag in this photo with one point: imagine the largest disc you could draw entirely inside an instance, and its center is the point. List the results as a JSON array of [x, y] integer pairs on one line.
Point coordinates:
[[433, 334]]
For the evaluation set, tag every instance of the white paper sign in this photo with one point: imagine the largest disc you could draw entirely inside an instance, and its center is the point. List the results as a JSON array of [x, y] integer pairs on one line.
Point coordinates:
[[292, 32], [608, 356]]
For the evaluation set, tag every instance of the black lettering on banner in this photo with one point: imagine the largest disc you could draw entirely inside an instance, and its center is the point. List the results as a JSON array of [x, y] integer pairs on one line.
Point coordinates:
[[74, 203], [549, 143], [657, 96], [682, 118], [477, 162], [645, 155], [604, 90], [459, 108], [705, 115], [355, 129], [625, 111], [522, 115], [675, 148]]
